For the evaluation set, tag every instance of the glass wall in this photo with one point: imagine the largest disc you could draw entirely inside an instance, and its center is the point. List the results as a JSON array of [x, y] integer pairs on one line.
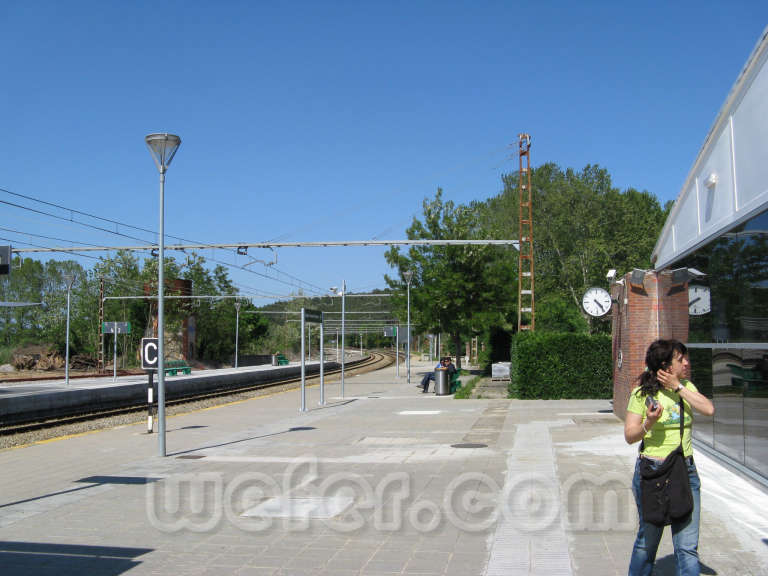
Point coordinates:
[[728, 340]]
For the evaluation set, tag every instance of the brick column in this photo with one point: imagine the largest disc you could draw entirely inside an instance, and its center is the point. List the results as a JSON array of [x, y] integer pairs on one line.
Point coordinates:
[[642, 314]]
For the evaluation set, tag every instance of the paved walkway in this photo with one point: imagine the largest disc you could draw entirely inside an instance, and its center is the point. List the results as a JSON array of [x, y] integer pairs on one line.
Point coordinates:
[[385, 481]]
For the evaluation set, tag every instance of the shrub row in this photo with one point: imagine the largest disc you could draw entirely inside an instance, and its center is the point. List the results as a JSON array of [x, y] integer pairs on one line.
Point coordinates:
[[549, 365]]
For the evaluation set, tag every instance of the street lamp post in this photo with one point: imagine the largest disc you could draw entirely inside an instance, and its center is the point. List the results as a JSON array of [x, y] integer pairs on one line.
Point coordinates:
[[69, 280], [408, 275], [163, 148], [237, 328]]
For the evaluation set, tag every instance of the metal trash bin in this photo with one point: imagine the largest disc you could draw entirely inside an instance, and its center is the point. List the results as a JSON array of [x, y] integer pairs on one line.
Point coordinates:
[[442, 382], [274, 360]]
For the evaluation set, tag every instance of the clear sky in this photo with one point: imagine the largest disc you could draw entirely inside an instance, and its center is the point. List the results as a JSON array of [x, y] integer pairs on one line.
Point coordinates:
[[333, 120]]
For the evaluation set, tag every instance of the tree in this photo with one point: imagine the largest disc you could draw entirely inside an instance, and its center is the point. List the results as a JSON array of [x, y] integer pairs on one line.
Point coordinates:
[[450, 284], [582, 227]]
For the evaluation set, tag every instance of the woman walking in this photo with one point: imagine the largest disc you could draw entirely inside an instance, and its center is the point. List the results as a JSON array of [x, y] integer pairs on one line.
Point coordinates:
[[653, 417]]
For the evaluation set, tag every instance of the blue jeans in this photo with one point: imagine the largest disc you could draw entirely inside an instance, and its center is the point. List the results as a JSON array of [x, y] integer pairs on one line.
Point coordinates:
[[685, 535]]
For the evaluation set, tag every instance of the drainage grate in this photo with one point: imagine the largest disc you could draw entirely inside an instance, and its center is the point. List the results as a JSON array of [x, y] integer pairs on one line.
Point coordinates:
[[190, 457], [469, 445], [301, 428]]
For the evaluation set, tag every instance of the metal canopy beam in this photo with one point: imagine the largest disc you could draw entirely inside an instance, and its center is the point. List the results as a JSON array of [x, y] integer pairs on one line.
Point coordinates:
[[244, 246]]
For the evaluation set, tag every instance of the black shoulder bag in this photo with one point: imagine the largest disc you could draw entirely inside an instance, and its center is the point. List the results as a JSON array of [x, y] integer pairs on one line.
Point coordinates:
[[665, 488]]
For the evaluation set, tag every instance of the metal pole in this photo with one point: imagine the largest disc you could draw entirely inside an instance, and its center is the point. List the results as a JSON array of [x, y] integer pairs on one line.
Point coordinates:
[[70, 280], [150, 400], [408, 336], [337, 345], [160, 319], [431, 347], [114, 357], [237, 328], [322, 363], [361, 344], [163, 148], [397, 352], [343, 297], [309, 343], [303, 361]]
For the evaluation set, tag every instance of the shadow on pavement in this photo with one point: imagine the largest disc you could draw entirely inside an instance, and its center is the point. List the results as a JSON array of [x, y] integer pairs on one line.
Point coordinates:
[[24, 558], [91, 482], [667, 566]]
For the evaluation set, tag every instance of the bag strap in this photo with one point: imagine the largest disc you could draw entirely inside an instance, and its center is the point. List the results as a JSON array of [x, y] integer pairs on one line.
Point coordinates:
[[682, 426]]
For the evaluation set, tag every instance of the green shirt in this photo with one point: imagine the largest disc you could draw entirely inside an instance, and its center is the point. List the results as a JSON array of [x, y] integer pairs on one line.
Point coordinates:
[[664, 436]]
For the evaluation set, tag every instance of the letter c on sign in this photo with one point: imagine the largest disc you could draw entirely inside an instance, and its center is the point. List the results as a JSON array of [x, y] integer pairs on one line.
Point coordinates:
[[149, 353]]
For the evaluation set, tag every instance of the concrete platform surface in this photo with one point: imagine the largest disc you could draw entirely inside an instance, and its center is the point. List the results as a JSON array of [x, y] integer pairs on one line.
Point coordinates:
[[384, 481]]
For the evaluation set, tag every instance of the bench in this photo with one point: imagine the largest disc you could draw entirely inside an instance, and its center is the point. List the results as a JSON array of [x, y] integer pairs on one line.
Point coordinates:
[[455, 382], [173, 367], [282, 360]]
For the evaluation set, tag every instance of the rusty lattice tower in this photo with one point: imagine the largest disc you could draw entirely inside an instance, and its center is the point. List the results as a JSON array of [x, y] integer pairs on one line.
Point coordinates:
[[525, 276]]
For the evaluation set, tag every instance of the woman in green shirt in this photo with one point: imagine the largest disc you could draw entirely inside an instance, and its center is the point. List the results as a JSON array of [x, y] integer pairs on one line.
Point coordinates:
[[656, 421]]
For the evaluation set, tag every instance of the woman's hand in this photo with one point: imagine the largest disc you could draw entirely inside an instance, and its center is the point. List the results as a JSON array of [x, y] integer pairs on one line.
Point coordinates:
[[668, 380], [697, 400], [652, 416], [634, 426]]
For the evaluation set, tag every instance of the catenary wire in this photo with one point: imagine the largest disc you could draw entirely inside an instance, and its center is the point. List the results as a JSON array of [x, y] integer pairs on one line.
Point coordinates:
[[125, 225]]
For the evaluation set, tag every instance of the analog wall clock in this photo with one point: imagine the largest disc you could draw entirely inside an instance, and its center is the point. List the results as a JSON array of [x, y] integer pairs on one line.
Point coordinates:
[[698, 300], [596, 302]]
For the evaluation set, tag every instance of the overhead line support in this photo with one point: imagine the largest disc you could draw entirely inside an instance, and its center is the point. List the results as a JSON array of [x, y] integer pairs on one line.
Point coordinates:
[[525, 270], [241, 245]]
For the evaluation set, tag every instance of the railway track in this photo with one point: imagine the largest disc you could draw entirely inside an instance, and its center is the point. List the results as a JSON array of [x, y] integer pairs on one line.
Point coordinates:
[[95, 419]]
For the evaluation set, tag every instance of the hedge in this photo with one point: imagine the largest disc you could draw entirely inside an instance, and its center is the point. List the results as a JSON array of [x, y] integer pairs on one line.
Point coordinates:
[[549, 365]]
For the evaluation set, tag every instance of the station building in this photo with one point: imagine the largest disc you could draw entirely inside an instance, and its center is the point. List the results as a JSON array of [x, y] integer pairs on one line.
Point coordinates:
[[709, 283]]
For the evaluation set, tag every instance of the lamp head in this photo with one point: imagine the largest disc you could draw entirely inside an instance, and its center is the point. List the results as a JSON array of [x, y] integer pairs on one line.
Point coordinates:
[[163, 148]]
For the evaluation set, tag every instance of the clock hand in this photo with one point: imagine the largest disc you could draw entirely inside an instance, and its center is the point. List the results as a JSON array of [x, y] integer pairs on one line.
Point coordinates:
[[599, 305], [694, 301]]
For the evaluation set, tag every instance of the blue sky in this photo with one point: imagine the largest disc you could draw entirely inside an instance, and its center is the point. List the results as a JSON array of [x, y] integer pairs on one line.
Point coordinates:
[[333, 120]]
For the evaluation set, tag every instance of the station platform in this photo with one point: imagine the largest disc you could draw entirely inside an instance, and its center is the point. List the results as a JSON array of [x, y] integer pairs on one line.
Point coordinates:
[[383, 481], [51, 398]]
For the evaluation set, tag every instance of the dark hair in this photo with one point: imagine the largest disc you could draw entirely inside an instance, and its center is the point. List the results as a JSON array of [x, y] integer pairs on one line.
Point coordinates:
[[658, 357]]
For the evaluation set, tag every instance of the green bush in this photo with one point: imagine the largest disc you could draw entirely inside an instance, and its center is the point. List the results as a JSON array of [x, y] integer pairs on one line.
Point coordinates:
[[565, 365]]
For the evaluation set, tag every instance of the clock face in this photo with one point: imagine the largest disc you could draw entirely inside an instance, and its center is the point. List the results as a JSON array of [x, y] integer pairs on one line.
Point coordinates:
[[698, 300], [596, 302]]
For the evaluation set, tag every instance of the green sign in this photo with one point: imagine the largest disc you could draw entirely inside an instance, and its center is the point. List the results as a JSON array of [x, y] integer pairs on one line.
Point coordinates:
[[115, 327], [313, 316]]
